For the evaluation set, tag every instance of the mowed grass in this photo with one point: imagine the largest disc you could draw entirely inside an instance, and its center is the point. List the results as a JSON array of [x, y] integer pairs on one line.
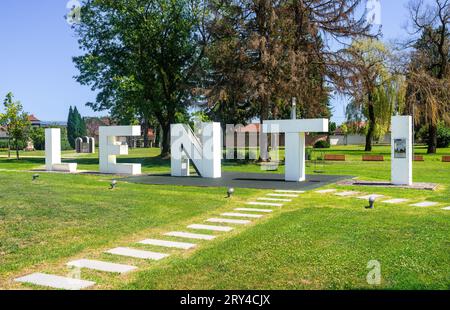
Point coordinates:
[[315, 242]]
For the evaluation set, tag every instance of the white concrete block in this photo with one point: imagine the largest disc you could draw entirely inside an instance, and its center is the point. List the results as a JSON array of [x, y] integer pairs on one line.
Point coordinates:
[[187, 235], [401, 150], [254, 210], [205, 151], [294, 131], [274, 199], [66, 167], [368, 196], [271, 204], [395, 201], [289, 191], [347, 194], [53, 281], [425, 204], [296, 126], [283, 195], [53, 152], [101, 266], [234, 214], [326, 191], [137, 253], [169, 244], [210, 227], [228, 221], [110, 147]]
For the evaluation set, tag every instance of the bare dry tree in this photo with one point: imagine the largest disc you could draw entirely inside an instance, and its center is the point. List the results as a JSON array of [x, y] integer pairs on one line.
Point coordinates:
[[429, 73]]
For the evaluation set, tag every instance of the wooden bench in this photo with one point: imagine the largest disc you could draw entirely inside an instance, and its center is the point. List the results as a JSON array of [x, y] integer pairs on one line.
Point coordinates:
[[334, 157], [446, 159], [373, 158], [418, 158]]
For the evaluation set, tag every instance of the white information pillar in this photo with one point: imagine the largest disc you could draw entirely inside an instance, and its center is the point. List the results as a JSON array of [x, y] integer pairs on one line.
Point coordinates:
[[110, 147], [204, 151], [401, 150], [53, 152], [294, 131]]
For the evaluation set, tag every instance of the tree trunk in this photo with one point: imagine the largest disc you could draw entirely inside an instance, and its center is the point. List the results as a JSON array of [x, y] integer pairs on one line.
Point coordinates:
[[165, 143], [371, 129], [145, 128], [17, 150], [9, 147], [432, 139]]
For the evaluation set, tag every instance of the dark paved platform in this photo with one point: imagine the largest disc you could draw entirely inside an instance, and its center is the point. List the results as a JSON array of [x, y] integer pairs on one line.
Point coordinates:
[[239, 180]]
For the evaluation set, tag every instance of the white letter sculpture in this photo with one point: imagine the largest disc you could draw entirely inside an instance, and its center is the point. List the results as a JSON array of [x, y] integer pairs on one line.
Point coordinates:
[[205, 151], [401, 150], [53, 152], [294, 131], [110, 147]]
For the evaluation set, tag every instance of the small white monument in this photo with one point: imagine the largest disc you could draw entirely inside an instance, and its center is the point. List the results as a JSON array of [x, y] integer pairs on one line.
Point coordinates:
[[205, 150], [110, 147], [294, 131], [53, 152], [401, 150]]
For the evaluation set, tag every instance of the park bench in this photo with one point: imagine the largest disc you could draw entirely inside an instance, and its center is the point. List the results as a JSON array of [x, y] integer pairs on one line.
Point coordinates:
[[334, 157], [373, 158], [446, 159], [418, 158]]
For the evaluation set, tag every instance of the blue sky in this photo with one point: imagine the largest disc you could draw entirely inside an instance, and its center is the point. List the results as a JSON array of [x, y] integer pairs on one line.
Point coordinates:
[[37, 46]]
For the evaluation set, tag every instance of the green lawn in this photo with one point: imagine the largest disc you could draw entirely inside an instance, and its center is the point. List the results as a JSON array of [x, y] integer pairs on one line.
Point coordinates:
[[314, 242]]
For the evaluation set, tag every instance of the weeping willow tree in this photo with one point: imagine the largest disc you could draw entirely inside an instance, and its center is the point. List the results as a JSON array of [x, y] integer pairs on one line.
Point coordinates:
[[374, 90], [388, 98]]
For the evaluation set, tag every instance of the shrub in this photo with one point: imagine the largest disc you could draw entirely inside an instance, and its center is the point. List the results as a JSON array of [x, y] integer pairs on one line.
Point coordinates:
[[443, 136], [322, 144], [37, 135]]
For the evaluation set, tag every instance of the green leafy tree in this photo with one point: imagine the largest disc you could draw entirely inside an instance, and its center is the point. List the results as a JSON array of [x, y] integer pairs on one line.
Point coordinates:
[[143, 56], [16, 122]]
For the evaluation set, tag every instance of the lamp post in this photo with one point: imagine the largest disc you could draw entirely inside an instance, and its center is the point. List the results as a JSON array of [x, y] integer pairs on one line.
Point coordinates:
[[294, 108]]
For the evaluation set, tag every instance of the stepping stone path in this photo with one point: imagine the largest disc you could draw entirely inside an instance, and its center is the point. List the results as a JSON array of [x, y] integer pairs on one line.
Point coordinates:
[[60, 282], [283, 195], [168, 244], [395, 201], [210, 227], [183, 234], [254, 210], [101, 266], [446, 208], [326, 191], [137, 253], [275, 199], [346, 194], [425, 204], [255, 216], [368, 196], [270, 204], [53, 281], [288, 191], [228, 221]]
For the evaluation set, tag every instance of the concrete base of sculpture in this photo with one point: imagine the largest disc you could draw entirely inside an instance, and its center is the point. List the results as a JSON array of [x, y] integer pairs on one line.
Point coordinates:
[[66, 167]]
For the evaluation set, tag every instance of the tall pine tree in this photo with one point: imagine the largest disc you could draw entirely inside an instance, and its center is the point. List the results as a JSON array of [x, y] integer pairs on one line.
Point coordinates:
[[71, 127]]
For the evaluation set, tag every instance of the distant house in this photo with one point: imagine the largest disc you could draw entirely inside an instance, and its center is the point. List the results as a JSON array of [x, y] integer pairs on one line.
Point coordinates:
[[35, 122]]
